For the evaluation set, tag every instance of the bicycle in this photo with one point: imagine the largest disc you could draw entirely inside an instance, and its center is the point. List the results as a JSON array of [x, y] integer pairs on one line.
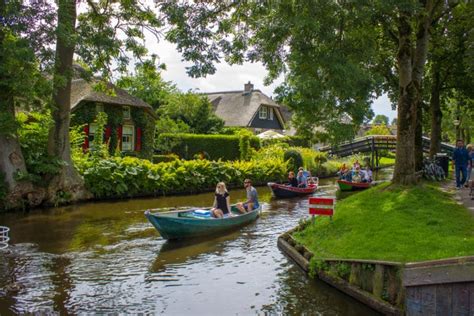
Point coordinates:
[[432, 171]]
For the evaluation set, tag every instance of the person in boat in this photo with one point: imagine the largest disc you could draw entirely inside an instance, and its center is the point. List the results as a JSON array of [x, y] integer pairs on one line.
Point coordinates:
[[356, 165], [356, 178], [221, 206], [302, 180], [252, 198], [343, 172], [292, 179], [367, 175]]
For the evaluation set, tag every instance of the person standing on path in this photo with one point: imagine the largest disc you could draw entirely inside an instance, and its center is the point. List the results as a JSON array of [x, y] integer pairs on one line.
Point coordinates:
[[460, 161], [470, 151]]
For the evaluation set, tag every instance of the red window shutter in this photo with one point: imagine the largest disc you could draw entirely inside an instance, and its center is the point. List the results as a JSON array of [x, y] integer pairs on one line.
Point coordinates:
[[108, 131], [119, 136], [85, 146], [138, 142]]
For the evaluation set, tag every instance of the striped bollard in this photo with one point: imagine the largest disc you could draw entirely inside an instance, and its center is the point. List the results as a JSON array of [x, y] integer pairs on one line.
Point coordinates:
[[323, 206]]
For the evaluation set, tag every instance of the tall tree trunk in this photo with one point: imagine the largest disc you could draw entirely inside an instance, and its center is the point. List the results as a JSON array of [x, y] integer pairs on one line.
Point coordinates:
[[404, 172], [411, 62], [436, 114], [419, 137], [19, 193], [68, 180]]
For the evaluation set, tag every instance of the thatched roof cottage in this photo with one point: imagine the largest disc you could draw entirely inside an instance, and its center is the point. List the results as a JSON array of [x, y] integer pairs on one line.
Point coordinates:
[[131, 121], [248, 108]]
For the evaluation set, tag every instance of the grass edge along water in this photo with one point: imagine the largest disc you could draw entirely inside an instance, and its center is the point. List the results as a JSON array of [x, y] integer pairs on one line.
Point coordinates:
[[393, 223]]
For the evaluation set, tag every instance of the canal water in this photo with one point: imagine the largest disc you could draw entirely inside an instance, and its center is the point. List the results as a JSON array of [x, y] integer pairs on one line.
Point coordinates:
[[106, 258]]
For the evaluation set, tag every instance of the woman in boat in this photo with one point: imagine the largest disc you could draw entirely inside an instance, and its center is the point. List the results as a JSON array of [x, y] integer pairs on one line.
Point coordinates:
[[292, 180], [221, 207], [356, 165]]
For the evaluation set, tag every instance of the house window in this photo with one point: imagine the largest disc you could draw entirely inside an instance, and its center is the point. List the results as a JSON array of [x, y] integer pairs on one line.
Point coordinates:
[[270, 112], [262, 114], [127, 137], [99, 108], [92, 132], [126, 112]]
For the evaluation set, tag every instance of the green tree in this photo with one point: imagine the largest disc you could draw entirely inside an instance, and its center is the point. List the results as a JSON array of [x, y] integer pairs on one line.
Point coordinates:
[[378, 130], [336, 55], [147, 84], [380, 119], [194, 110], [21, 85]]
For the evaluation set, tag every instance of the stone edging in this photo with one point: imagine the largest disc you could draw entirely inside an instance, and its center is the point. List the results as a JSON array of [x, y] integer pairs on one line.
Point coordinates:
[[303, 261], [436, 286]]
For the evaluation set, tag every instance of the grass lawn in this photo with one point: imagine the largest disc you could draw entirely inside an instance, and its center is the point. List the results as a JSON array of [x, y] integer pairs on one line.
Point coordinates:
[[393, 223]]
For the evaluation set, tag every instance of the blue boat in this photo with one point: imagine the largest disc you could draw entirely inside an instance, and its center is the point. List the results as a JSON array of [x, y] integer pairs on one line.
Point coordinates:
[[194, 223]]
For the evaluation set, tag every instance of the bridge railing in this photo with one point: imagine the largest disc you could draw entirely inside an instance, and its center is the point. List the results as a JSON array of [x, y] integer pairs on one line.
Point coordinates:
[[376, 142]]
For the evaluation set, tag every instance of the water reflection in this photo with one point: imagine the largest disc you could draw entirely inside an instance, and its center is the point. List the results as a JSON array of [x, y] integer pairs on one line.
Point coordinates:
[[106, 258]]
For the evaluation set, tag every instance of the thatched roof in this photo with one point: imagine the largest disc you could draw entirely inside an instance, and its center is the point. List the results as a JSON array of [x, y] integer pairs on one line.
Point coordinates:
[[238, 108], [81, 90]]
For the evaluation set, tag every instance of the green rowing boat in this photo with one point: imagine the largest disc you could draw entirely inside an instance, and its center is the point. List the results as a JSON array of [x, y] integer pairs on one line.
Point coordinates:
[[191, 223]]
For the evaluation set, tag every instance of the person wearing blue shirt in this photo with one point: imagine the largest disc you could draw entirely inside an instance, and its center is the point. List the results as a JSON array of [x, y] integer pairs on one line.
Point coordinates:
[[460, 161]]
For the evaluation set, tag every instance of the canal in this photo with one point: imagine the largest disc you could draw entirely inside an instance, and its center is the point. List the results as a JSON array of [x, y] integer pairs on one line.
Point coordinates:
[[105, 257]]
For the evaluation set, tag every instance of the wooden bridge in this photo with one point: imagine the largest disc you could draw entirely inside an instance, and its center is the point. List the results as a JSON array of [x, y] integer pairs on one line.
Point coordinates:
[[374, 144]]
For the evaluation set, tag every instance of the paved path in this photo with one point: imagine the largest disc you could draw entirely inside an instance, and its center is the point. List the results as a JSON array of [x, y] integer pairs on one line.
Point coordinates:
[[463, 195]]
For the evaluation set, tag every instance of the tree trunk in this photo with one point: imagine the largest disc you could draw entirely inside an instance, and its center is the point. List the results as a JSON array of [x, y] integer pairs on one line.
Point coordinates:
[[419, 137], [68, 180], [404, 172], [19, 193], [411, 64], [436, 114]]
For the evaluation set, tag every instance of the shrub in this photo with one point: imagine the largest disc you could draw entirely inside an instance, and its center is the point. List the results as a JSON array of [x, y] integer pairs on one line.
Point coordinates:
[[164, 158], [129, 176], [225, 147], [294, 159], [294, 141]]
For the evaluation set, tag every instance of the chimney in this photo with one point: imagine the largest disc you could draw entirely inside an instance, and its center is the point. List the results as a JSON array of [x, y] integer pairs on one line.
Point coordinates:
[[248, 87]]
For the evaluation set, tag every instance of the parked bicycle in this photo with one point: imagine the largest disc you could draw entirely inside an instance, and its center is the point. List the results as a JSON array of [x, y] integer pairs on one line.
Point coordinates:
[[432, 170]]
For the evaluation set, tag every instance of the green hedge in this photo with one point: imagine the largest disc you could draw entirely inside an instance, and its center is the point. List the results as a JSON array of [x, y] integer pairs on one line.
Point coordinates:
[[225, 147], [129, 176], [293, 141]]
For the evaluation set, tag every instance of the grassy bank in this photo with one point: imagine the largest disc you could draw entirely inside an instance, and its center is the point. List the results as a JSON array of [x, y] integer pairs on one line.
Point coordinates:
[[393, 223]]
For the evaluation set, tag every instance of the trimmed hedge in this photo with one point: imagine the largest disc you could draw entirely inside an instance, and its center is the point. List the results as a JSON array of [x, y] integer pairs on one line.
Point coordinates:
[[225, 147], [292, 141]]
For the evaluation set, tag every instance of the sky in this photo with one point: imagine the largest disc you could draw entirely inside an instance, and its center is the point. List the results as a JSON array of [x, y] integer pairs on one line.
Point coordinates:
[[228, 78]]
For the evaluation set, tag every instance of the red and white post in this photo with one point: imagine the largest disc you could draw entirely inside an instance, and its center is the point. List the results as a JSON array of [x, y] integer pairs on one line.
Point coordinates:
[[323, 206]]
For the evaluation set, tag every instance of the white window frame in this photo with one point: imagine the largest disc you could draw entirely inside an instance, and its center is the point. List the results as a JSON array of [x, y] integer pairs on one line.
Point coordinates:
[[132, 138], [127, 113], [92, 132], [262, 113], [99, 108], [270, 116]]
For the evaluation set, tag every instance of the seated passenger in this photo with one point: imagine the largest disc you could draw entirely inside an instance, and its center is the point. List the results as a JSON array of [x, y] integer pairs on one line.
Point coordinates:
[[292, 180], [342, 172], [252, 198], [356, 178], [356, 165], [221, 206], [367, 175], [302, 181]]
